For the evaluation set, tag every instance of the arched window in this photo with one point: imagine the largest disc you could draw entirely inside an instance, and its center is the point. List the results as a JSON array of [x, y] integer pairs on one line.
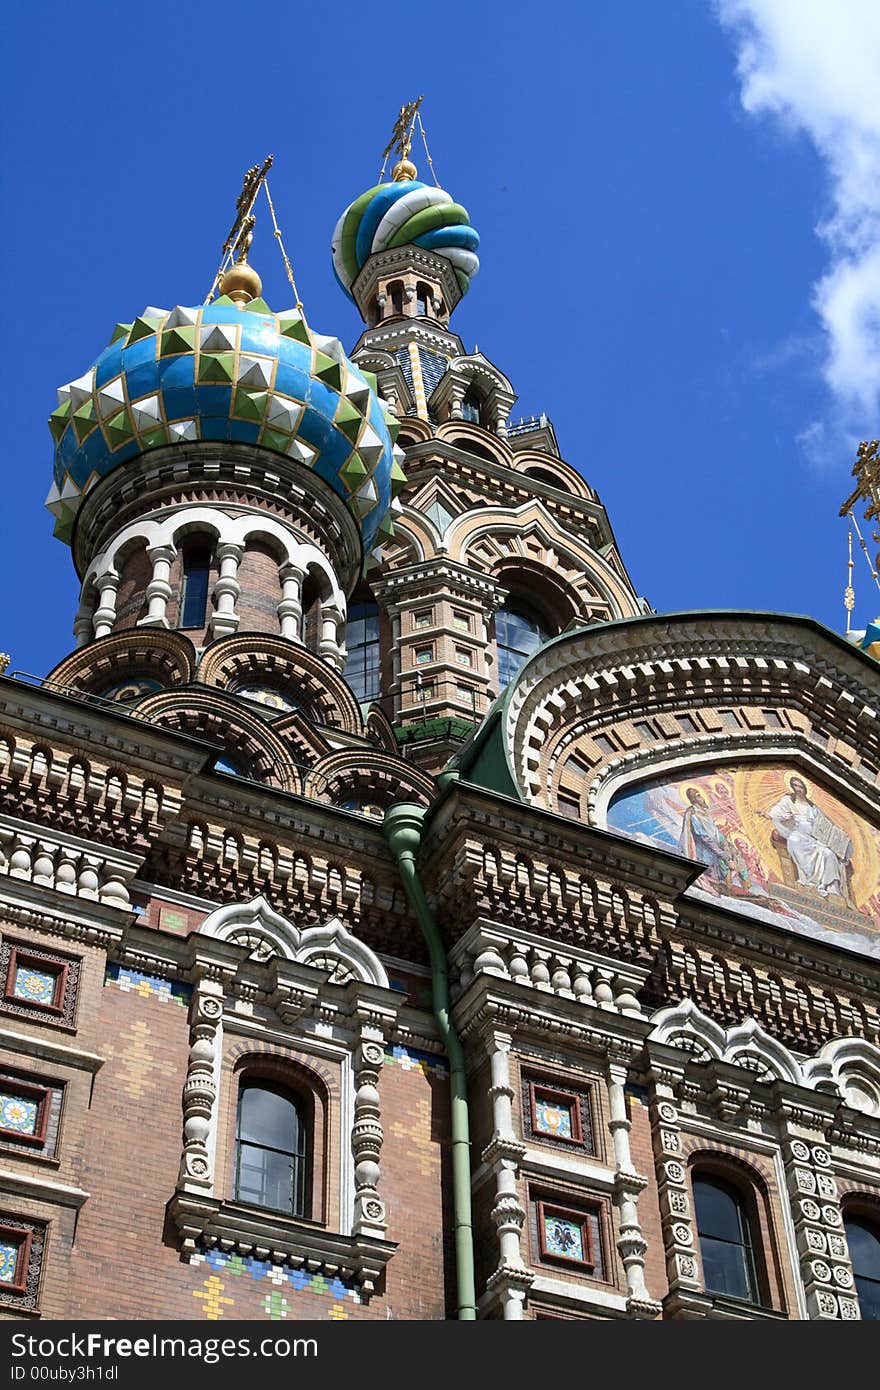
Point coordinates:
[[196, 576], [725, 1238], [362, 644], [423, 299], [471, 405], [271, 1148], [518, 633], [311, 615], [863, 1238], [395, 294]]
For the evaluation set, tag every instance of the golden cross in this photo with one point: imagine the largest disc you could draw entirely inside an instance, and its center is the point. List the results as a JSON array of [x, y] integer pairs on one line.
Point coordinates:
[[402, 134], [867, 470], [242, 227]]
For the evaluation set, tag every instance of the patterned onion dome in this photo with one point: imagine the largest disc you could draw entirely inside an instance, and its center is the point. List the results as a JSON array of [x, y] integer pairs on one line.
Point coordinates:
[[220, 372], [407, 213]]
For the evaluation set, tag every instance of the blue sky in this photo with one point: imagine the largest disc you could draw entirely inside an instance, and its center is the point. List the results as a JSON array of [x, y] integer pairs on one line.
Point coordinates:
[[680, 242]]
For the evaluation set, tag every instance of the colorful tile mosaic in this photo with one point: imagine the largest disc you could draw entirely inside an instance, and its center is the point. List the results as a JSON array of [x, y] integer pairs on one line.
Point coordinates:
[[18, 1114], [223, 373], [34, 986], [563, 1238], [281, 1279], [553, 1119], [8, 1261], [148, 986], [410, 1060]]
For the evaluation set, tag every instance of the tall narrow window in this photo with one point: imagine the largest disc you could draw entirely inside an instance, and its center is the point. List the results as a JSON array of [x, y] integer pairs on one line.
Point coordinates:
[[863, 1239], [725, 1240], [196, 575], [271, 1163], [362, 644], [470, 406], [423, 299], [518, 633], [395, 293]]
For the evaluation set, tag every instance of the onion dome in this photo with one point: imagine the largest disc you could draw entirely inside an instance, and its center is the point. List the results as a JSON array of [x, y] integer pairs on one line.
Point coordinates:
[[228, 371], [404, 213]]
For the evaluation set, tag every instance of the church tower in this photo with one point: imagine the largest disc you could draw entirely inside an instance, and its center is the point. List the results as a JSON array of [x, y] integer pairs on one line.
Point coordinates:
[[399, 919]]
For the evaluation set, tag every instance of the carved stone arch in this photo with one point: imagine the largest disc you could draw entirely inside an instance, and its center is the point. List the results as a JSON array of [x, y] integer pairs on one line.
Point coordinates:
[[567, 479], [214, 717], [498, 538], [322, 692], [332, 946], [474, 439], [371, 779], [684, 1025], [851, 1068], [605, 676], [151, 654], [379, 729], [747, 1044], [250, 923], [329, 947], [414, 431], [414, 540]]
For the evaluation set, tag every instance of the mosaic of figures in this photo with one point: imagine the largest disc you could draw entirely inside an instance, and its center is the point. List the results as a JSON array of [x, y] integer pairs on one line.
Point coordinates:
[[775, 843]]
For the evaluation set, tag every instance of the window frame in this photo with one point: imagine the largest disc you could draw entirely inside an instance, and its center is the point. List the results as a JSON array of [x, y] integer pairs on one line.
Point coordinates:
[[23, 1238], [871, 1222], [61, 1013], [28, 1090], [580, 1103]]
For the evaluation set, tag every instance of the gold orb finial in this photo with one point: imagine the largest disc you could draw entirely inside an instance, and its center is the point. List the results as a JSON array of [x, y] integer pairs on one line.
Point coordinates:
[[404, 171], [241, 283]]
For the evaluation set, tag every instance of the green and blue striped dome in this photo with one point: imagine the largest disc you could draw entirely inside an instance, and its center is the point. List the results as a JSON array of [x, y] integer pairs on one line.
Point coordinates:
[[406, 213], [221, 372]]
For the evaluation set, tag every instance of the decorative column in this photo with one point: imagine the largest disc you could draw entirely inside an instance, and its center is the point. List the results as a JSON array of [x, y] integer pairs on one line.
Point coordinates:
[[628, 1185], [105, 613], [200, 1093], [825, 1267], [159, 588], [504, 1153], [329, 647], [225, 620], [367, 1135], [83, 624], [290, 608], [682, 1264]]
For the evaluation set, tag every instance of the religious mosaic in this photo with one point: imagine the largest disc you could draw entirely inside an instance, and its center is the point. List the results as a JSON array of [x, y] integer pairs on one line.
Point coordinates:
[[563, 1239], [776, 844], [8, 1261]]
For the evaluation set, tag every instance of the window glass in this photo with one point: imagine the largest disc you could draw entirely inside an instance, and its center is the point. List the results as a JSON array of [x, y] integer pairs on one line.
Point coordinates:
[[864, 1251], [518, 633], [196, 574], [470, 407], [270, 1150], [362, 641], [725, 1240]]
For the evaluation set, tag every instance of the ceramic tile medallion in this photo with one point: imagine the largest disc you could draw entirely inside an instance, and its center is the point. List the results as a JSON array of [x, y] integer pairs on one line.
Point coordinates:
[[563, 1239], [34, 986], [777, 844], [552, 1119], [8, 1261], [17, 1114]]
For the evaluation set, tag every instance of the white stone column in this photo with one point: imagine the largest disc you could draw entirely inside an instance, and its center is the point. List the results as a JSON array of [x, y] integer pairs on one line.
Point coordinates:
[[83, 625], [628, 1184], [290, 608], [504, 1153], [367, 1135], [159, 588], [105, 613], [329, 646], [227, 589]]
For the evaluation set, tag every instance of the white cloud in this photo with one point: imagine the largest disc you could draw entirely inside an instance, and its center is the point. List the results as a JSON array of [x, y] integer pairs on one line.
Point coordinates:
[[815, 66]]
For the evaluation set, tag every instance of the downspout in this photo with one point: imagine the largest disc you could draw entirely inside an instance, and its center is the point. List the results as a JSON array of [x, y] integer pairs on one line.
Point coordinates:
[[403, 828]]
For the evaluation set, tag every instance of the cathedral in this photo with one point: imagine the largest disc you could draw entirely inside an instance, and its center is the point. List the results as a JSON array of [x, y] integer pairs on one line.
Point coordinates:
[[399, 918]]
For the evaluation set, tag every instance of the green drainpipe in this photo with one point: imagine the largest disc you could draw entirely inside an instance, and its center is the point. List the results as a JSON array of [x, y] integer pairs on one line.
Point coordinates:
[[403, 827]]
